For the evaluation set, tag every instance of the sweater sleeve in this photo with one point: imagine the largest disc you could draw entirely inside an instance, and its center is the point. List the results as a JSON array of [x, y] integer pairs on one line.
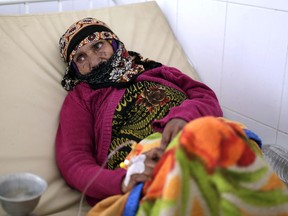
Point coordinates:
[[75, 153], [201, 101]]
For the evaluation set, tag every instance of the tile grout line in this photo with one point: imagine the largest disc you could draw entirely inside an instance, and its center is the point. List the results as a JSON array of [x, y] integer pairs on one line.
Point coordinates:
[[223, 54], [251, 5], [282, 92]]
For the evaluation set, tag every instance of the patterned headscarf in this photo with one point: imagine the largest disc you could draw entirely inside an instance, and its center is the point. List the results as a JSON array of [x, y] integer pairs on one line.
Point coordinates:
[[80, 33], [122, 67]]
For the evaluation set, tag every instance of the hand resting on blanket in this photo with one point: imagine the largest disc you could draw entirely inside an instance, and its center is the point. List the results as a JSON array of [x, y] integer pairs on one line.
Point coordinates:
[[152, 157], [170, 130]]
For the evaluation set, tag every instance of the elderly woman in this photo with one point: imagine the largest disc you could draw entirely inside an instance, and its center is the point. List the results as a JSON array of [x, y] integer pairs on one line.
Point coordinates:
[[116, 96]]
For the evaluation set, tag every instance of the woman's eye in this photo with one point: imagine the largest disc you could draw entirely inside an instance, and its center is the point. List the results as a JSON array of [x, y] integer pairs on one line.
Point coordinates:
[[80, 58], [98, 45]]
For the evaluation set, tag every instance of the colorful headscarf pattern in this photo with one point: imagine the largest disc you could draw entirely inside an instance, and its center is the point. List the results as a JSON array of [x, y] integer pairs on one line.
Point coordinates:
[[80, 33], [120, 68]]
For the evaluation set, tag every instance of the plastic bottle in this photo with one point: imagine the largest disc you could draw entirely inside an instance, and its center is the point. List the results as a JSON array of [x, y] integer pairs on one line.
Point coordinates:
[[277, 157]]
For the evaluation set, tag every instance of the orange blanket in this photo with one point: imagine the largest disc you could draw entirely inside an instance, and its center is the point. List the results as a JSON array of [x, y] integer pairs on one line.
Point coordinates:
[[210, 168]]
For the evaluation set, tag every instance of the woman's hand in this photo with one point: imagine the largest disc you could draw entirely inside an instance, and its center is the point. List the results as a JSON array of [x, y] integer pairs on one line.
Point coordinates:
[[152, 157], [170, 130]]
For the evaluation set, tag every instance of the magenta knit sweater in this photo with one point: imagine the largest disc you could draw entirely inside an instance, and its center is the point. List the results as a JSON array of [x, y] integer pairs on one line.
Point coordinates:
[[84, 133]]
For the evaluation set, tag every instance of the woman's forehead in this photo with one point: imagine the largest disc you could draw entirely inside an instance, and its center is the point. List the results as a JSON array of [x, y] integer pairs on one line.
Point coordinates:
[[91, 45]]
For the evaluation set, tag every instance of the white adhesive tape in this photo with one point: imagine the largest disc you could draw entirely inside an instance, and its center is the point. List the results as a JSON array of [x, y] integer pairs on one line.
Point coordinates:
[[137, 166]]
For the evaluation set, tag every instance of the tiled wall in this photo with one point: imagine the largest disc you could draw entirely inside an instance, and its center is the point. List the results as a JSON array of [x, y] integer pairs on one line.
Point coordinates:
[[57, 5], [239, 48]]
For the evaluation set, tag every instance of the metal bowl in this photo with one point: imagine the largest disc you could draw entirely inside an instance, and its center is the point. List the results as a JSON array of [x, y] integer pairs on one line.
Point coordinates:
[[21, 192]]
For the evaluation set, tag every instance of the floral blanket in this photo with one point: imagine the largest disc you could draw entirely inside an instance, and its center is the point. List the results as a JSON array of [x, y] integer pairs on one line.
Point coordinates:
[[213, 167]]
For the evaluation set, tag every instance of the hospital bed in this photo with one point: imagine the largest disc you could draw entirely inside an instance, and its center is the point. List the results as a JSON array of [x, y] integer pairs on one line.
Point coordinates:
[[31, 94]]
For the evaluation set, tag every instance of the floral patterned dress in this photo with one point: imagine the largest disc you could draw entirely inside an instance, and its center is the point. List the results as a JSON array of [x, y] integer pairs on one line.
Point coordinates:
[[142, 103]]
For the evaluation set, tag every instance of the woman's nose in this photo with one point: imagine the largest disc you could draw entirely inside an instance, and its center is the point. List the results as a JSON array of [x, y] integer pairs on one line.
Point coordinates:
[[94, 60]]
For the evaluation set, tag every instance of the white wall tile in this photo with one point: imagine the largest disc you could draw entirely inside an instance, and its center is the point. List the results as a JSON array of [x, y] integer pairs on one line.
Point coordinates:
[[201, 25], [67, 5], [275, 4], [266, 134], [81, 4], [282, 139], [122, 2], [10, 9], [283, 125], [100, 3], [43, 7], [254, 62]]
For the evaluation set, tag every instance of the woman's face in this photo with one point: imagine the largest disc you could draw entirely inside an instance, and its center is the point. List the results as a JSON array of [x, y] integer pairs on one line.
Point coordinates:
[[91, 54]]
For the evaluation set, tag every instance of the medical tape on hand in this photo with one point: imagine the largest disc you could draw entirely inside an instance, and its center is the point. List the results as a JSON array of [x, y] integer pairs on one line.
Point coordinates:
[[136, 166]]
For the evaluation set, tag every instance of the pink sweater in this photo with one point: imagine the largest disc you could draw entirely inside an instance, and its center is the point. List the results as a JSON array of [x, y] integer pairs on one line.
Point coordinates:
[[84, 133]]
